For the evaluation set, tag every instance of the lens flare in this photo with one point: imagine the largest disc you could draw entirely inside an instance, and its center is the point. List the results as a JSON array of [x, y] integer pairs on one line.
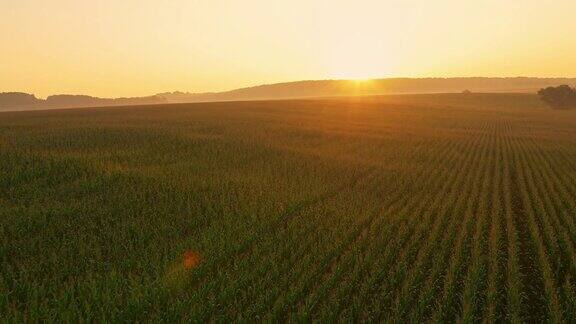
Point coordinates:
[[191, 259]]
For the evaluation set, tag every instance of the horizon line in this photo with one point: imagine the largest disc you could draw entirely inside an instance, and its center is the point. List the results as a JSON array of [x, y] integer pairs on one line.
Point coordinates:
[[289, 82]]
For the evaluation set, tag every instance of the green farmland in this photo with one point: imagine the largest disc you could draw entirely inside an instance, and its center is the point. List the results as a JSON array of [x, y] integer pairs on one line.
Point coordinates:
[[415, 208]]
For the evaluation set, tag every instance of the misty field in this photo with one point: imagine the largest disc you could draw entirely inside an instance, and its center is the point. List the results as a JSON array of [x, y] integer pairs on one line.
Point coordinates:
[[400, 208]]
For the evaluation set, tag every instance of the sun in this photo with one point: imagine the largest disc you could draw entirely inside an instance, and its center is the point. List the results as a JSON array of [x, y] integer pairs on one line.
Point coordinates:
[[361, 81], [360, 86]]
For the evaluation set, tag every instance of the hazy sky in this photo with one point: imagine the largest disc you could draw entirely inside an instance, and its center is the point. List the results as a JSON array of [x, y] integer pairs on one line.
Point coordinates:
[[140, 47]]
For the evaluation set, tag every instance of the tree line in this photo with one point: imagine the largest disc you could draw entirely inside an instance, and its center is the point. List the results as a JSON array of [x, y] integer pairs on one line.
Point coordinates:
[[560, 97]]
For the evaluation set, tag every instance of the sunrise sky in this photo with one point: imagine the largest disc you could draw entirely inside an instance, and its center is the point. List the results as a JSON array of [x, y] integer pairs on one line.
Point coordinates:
[[140, 47]]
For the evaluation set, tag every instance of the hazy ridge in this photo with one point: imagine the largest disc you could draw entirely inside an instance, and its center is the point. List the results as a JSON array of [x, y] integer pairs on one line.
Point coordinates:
[[288, 90]]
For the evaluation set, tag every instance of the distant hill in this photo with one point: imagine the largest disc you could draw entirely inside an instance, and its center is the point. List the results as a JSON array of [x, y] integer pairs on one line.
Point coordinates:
[[328, 88], [24, 101], [66, 101], [297, 89], [18, 100]]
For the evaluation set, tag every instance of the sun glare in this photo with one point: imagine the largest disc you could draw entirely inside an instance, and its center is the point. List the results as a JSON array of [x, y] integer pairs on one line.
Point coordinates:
[[360, 86], [360, 81]]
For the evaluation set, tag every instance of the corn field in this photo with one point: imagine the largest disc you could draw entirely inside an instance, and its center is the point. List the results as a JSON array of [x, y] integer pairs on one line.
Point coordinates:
[[419, 208]]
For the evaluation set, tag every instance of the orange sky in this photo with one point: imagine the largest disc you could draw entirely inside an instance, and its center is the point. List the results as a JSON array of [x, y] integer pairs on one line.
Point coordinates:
[[141, 47]]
